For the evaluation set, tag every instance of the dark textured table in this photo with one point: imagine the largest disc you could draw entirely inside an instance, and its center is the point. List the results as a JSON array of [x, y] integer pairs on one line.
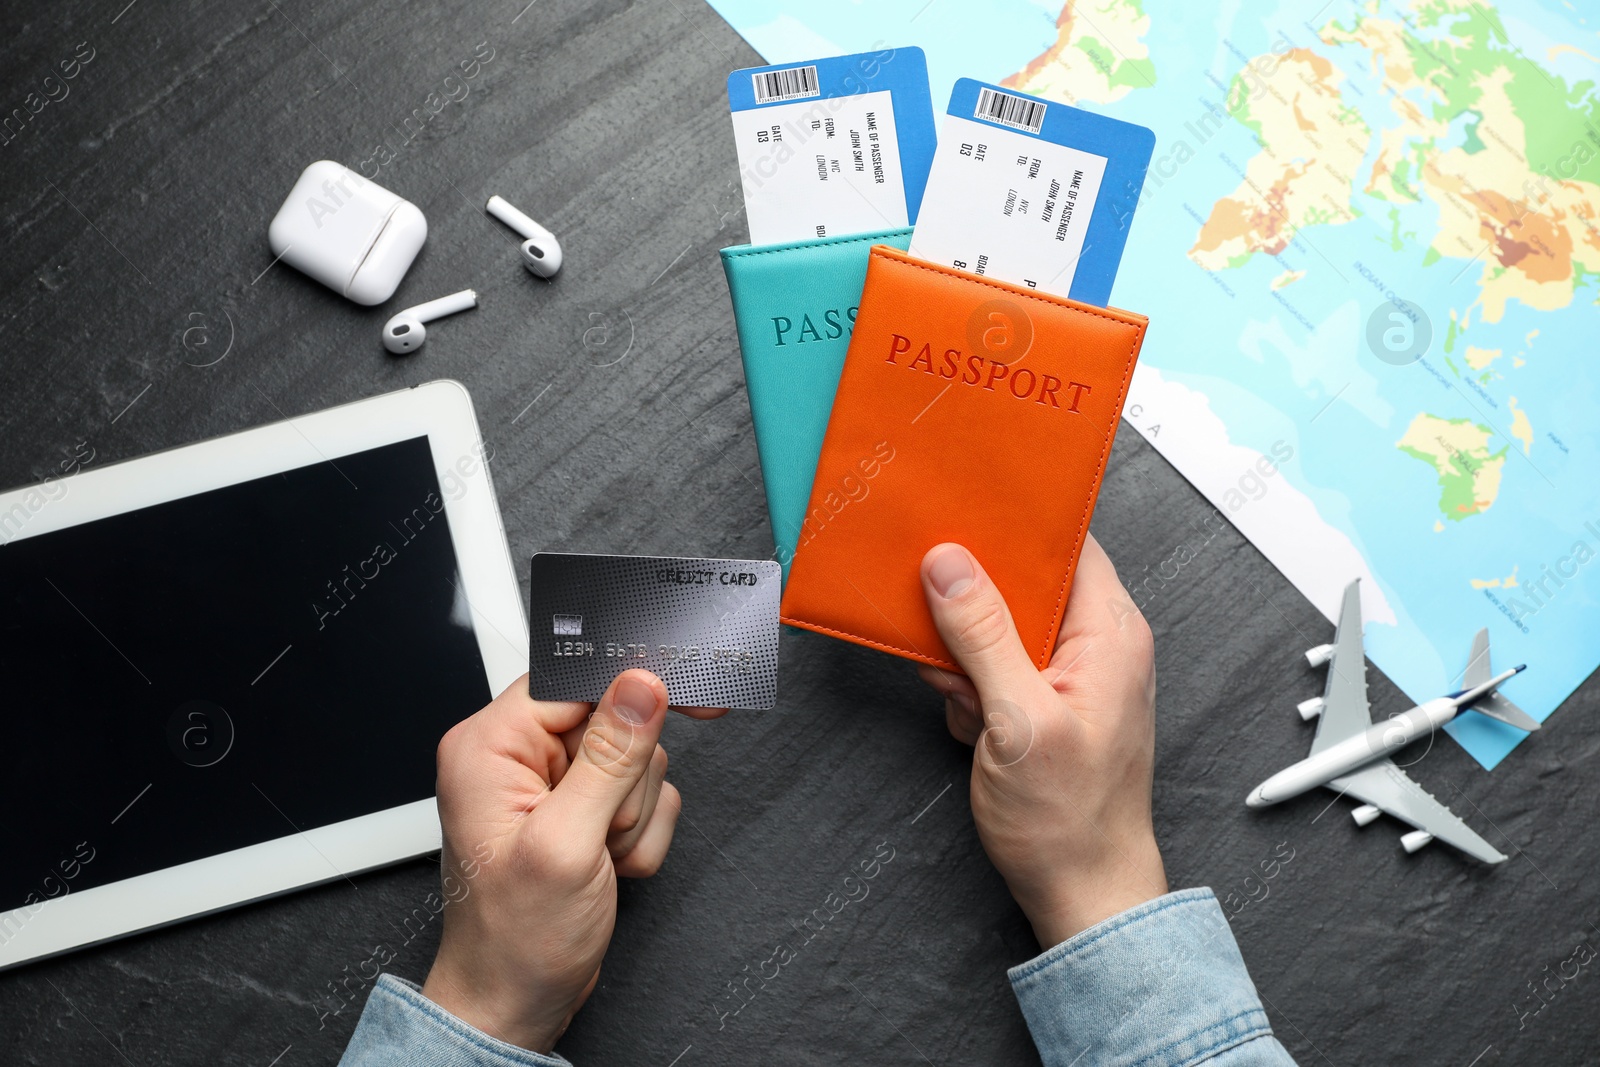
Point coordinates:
[[135, 209]]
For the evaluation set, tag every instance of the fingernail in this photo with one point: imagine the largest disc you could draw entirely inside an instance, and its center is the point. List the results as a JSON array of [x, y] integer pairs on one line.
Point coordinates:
[[965, 703], [634, 700], [951, 572]]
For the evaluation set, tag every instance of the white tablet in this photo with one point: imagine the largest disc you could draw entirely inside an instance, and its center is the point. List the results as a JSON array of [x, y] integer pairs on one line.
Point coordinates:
[[227, 666]]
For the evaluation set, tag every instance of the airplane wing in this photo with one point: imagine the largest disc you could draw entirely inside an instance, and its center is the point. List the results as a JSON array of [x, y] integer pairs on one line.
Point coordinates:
[[1345, 711], [1497, 706], [1388, 787]]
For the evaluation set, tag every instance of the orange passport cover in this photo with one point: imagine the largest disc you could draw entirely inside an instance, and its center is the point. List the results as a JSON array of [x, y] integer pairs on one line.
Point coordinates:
[[972, 411]]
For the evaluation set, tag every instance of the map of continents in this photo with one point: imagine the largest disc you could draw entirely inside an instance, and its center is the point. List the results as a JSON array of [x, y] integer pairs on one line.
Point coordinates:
[[1369, 245]]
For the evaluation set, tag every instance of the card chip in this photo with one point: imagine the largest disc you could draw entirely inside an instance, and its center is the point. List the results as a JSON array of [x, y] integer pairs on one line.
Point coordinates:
[[1017, 112], [567, 625], [796, 83]]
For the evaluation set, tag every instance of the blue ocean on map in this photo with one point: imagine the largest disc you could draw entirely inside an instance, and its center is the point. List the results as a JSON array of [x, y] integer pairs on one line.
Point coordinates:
[[1276, 340]]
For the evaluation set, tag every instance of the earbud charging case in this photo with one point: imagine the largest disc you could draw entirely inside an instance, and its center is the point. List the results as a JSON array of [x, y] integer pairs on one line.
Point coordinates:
[[353, 236]]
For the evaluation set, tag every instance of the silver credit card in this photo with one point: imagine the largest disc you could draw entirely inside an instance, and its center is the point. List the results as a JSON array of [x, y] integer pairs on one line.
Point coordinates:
[[708, 628]]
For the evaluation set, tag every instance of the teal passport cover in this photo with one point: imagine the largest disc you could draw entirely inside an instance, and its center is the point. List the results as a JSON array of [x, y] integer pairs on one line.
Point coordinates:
[[794, 306]]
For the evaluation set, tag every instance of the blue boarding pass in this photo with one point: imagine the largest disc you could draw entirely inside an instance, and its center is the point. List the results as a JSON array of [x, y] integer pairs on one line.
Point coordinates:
[[1032, 192], [835, 146]]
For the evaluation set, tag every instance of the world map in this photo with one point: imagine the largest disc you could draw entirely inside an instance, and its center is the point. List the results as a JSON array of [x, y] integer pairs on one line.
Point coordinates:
[[1369, 248]]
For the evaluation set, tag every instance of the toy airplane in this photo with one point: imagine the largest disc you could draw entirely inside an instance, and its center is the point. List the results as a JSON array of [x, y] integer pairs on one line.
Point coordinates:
[[1351, 754]]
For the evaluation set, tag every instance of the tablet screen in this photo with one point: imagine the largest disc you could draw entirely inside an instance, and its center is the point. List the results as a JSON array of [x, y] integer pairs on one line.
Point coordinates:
[[228, 668]]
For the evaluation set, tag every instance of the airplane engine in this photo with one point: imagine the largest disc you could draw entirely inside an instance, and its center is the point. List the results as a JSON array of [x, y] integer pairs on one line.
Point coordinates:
[[1365, 814], [1319, 655], [1415, 840], [1310, 709]]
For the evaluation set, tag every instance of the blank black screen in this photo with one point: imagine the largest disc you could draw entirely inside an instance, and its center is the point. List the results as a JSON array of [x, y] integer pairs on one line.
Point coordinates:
[[227, 668]]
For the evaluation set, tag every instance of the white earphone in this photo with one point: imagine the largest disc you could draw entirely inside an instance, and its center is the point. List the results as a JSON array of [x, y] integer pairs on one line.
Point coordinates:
[[405, 333], [541, 252]]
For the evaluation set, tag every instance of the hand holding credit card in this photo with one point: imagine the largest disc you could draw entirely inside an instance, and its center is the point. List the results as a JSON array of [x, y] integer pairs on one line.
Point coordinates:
[[833, 146], [708, 628], [1032, 192]]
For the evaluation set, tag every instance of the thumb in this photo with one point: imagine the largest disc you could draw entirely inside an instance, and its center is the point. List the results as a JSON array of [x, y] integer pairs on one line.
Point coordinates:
[[613, 755], [975, 623]]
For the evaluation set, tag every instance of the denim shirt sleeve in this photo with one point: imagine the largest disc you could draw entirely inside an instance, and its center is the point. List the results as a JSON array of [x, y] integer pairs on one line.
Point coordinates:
[[1160, 984], [400, 1027]]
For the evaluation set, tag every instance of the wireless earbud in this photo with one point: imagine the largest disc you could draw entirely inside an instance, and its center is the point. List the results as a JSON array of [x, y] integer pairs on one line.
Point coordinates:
[[541, 252], [405, 333]]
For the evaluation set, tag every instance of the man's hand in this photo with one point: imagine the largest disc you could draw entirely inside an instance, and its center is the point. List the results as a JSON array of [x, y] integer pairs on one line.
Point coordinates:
[[543, 806], [1062, 769]]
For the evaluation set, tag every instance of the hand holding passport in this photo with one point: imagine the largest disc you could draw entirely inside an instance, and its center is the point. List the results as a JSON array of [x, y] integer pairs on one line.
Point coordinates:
[[956, 382], [933, 427], [980, 386], [999, 405]]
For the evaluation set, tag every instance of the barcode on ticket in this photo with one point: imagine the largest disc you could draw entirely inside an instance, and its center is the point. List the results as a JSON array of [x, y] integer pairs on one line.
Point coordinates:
[[1016, 111], [795, 83]]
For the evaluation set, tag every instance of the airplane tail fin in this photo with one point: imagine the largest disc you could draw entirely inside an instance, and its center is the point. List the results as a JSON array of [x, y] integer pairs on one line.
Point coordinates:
[[1492, 703], [1477, 671]]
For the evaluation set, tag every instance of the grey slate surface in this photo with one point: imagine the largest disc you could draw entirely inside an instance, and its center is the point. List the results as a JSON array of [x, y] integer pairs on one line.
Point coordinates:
[[135, 209]]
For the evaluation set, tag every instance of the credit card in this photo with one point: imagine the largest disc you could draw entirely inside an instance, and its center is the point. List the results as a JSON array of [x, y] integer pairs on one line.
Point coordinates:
[[1032, 192], [708, 628], [835, 146]]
